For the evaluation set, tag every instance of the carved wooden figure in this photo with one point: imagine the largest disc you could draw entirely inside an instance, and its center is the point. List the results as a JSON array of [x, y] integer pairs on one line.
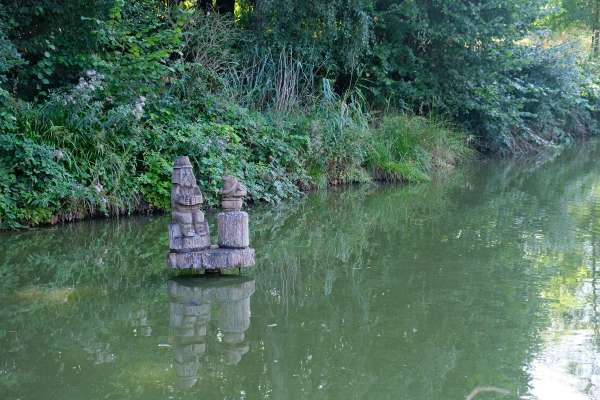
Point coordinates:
[[233, 223], [186, 199], [188, 232]]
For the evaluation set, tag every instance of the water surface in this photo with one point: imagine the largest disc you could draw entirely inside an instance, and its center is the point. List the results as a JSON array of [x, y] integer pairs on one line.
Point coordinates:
[[487, 278]]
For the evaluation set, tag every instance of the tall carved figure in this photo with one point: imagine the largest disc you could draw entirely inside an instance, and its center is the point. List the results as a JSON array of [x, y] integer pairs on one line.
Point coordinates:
[[186, 198], [188, 230]]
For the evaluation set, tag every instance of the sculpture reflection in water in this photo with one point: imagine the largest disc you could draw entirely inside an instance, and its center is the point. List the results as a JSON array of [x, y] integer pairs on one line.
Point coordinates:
[[193, 303]]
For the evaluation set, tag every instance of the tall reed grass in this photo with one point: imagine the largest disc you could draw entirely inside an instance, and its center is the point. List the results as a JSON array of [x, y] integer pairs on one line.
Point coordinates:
[[410, 148]]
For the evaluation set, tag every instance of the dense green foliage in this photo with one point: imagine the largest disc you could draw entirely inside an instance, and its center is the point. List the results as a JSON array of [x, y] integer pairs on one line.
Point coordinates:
[[464, 60], [97, 97]]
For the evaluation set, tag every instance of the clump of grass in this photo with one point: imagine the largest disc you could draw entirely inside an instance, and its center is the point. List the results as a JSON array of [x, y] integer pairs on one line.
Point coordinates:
[[411, 149]]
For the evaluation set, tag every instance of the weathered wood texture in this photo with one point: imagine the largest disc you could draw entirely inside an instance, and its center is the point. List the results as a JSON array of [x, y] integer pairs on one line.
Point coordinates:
[[180, 244], [189, 239], [233, 229], [212, 259], [228, 258]]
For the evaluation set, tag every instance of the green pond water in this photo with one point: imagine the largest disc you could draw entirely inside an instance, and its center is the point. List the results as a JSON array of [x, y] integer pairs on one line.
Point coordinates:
[[488, 278]]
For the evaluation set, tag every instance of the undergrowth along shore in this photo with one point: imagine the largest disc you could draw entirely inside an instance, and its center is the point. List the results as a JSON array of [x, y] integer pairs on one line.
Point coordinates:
[[70, 159], [98, 97]]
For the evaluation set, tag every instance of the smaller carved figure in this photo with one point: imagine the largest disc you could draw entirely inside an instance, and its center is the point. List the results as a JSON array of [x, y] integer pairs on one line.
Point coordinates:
[[232, 194], [186, 199]]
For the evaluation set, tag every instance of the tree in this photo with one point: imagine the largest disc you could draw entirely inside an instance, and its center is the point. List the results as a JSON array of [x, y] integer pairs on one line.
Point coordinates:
[[55, 38], [220, 6], [333, 36], [579, 13]]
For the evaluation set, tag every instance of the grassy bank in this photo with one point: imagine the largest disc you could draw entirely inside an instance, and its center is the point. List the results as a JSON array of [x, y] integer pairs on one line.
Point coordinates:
[[74, 157]]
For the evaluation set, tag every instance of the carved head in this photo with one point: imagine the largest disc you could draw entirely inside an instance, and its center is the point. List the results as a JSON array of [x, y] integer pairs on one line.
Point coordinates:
[[232, 188], [229, 182], [183, 173]]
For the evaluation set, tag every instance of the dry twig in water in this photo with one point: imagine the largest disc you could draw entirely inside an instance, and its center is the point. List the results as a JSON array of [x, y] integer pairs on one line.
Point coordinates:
[[483, 389]]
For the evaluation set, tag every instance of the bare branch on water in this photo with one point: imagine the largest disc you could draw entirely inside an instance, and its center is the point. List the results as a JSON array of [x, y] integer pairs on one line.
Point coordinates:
[[486, 389]]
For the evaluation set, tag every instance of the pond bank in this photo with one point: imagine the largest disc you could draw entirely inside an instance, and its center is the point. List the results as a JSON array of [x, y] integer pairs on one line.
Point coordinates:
[[48, 181]]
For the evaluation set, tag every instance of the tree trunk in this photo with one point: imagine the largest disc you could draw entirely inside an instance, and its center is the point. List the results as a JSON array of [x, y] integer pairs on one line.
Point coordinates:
[[225, 6], [204, 5], [596, 29]]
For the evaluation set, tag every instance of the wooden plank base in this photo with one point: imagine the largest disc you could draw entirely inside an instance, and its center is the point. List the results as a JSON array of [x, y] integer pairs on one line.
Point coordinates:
[[212, 259]]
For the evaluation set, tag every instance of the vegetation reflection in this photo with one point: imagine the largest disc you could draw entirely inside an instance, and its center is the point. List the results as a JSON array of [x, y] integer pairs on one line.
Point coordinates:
[[421, 291]]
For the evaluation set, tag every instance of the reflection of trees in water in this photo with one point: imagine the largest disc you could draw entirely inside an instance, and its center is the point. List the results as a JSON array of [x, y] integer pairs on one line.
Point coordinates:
[[473, 256], [594, 230], [107, 253], [88, 342], [98, 343], [574, 292], [418, 292], [592, 386]]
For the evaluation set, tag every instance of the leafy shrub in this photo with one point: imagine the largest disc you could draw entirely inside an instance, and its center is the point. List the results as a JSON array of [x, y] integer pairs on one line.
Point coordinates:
[[334, 35], [231, 140], [91, 156], [35, 186], [546, 97], [56, 38], [9, 56], [471, 62]]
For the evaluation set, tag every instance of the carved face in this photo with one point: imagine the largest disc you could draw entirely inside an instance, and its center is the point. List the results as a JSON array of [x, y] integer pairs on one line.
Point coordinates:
[[187, 177], [228, 182]]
